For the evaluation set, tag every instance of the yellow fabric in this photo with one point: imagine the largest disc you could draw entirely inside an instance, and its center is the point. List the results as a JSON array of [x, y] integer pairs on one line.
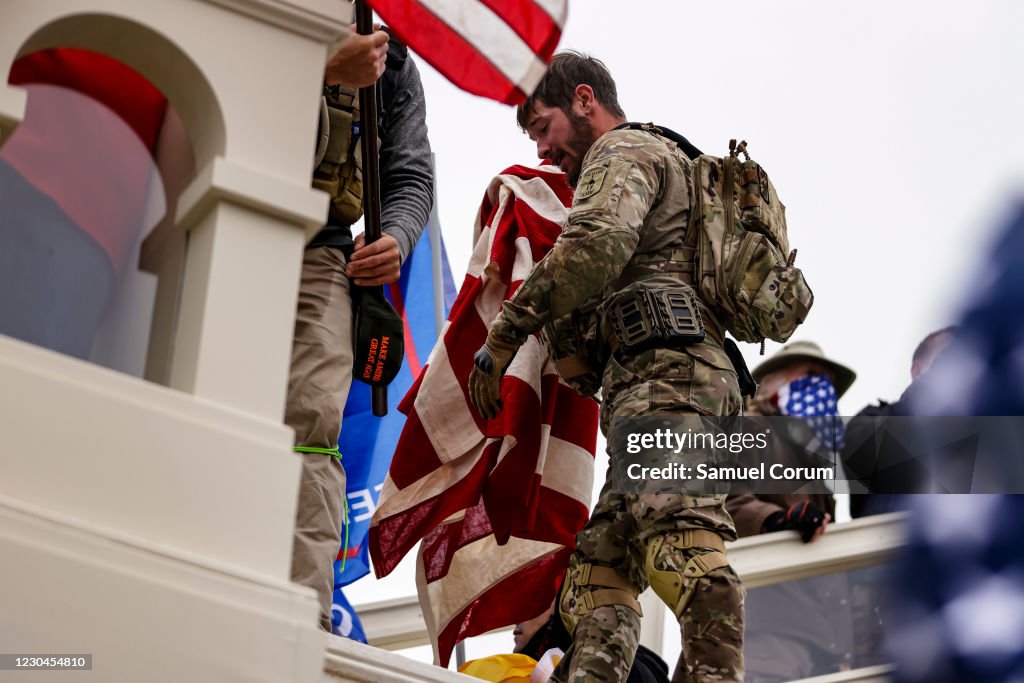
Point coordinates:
[[500, 668]]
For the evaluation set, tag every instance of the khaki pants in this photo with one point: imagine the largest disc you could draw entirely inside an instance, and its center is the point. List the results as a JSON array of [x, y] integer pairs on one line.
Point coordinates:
[[321, 375]]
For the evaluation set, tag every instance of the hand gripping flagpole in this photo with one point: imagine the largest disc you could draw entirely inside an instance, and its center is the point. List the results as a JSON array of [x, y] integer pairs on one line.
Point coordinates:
[[371, 172]]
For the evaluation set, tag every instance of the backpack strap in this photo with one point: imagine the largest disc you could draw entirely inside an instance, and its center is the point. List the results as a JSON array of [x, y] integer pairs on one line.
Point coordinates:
[[688, 149]]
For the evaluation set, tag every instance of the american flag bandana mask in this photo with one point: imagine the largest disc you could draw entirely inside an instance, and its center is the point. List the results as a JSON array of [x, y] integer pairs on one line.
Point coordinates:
[[814, 399]]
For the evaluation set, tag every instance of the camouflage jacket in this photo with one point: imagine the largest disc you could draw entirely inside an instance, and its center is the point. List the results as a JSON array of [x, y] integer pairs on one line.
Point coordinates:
[[628, 223]]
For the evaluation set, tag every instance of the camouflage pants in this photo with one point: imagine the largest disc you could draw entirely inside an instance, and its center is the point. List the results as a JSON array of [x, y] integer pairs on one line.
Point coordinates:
[[636, 533]]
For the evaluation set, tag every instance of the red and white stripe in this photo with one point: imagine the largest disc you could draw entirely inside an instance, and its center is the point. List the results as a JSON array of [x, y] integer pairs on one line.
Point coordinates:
[[497, 503], [494, 48]]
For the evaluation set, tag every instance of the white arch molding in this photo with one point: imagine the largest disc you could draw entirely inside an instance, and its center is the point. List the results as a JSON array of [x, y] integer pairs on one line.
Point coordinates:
[[151, 523], [249, 107]]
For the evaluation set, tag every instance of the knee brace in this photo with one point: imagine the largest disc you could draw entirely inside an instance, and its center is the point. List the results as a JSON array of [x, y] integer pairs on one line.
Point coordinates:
[[589, 586], [676, 587]]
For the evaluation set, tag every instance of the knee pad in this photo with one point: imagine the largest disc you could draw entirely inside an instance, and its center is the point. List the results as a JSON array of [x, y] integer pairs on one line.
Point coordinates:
[[589, 586], [676, 586]]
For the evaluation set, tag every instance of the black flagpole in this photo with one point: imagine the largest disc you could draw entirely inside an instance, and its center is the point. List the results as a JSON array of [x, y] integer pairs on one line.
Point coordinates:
[[371, 172]]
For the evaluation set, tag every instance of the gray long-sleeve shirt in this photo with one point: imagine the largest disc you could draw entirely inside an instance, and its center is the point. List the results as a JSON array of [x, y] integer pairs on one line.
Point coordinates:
[[406, 172]]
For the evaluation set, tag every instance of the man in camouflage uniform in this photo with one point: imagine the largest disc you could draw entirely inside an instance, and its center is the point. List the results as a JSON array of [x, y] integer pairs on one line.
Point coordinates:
[[628, 226]]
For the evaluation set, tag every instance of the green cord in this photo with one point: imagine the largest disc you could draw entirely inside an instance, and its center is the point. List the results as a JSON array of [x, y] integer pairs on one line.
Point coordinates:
[[344, 501], [323, 451], [344, 523]]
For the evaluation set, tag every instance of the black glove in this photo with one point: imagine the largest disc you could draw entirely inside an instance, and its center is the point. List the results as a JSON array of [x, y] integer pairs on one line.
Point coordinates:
[[803, 517]]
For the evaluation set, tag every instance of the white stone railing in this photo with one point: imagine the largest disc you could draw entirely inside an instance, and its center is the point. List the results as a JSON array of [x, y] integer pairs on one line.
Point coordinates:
[[761, 560]]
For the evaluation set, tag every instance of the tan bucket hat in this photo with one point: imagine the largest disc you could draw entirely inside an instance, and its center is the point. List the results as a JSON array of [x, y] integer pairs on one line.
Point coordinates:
[[806, 351]]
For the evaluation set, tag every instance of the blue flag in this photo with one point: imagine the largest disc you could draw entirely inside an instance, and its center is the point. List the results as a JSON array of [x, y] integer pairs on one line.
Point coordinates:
[[367, 442], [344, 621]]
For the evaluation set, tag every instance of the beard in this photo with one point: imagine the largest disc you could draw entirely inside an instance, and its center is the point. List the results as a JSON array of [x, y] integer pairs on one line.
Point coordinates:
[[580, 141]]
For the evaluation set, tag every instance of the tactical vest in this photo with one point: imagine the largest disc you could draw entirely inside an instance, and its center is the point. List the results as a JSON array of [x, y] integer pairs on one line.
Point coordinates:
[[735, 271], [727, 269], [338, 161], [652, 303], [657, 308], [338, 169]]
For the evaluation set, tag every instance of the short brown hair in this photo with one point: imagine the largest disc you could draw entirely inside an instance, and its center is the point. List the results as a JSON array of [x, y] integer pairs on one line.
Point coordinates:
[[567, 70]]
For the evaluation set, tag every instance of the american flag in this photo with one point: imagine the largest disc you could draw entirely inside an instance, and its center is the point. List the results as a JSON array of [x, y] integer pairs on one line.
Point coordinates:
[[497, 503], [814, 399], [494, 48]]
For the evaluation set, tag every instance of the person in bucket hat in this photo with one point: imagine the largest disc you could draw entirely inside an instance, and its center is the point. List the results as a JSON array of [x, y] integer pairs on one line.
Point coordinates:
[[795, 359], [799, 380]]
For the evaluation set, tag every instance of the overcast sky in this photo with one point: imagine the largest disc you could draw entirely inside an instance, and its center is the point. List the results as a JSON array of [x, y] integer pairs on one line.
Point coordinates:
[[890, 129]]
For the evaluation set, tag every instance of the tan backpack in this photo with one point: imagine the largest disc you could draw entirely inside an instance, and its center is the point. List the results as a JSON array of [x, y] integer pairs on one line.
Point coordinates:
[[745, 267]]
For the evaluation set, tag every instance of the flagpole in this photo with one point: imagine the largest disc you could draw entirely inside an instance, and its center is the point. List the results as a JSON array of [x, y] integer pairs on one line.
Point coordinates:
[[436, 256], [371, 174]]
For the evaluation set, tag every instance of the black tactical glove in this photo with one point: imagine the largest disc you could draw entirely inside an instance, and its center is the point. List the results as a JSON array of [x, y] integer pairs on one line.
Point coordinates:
[[803, 517], [489, 364]]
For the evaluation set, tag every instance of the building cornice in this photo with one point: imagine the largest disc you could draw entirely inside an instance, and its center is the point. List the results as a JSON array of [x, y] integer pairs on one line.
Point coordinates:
[[326, 21]]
